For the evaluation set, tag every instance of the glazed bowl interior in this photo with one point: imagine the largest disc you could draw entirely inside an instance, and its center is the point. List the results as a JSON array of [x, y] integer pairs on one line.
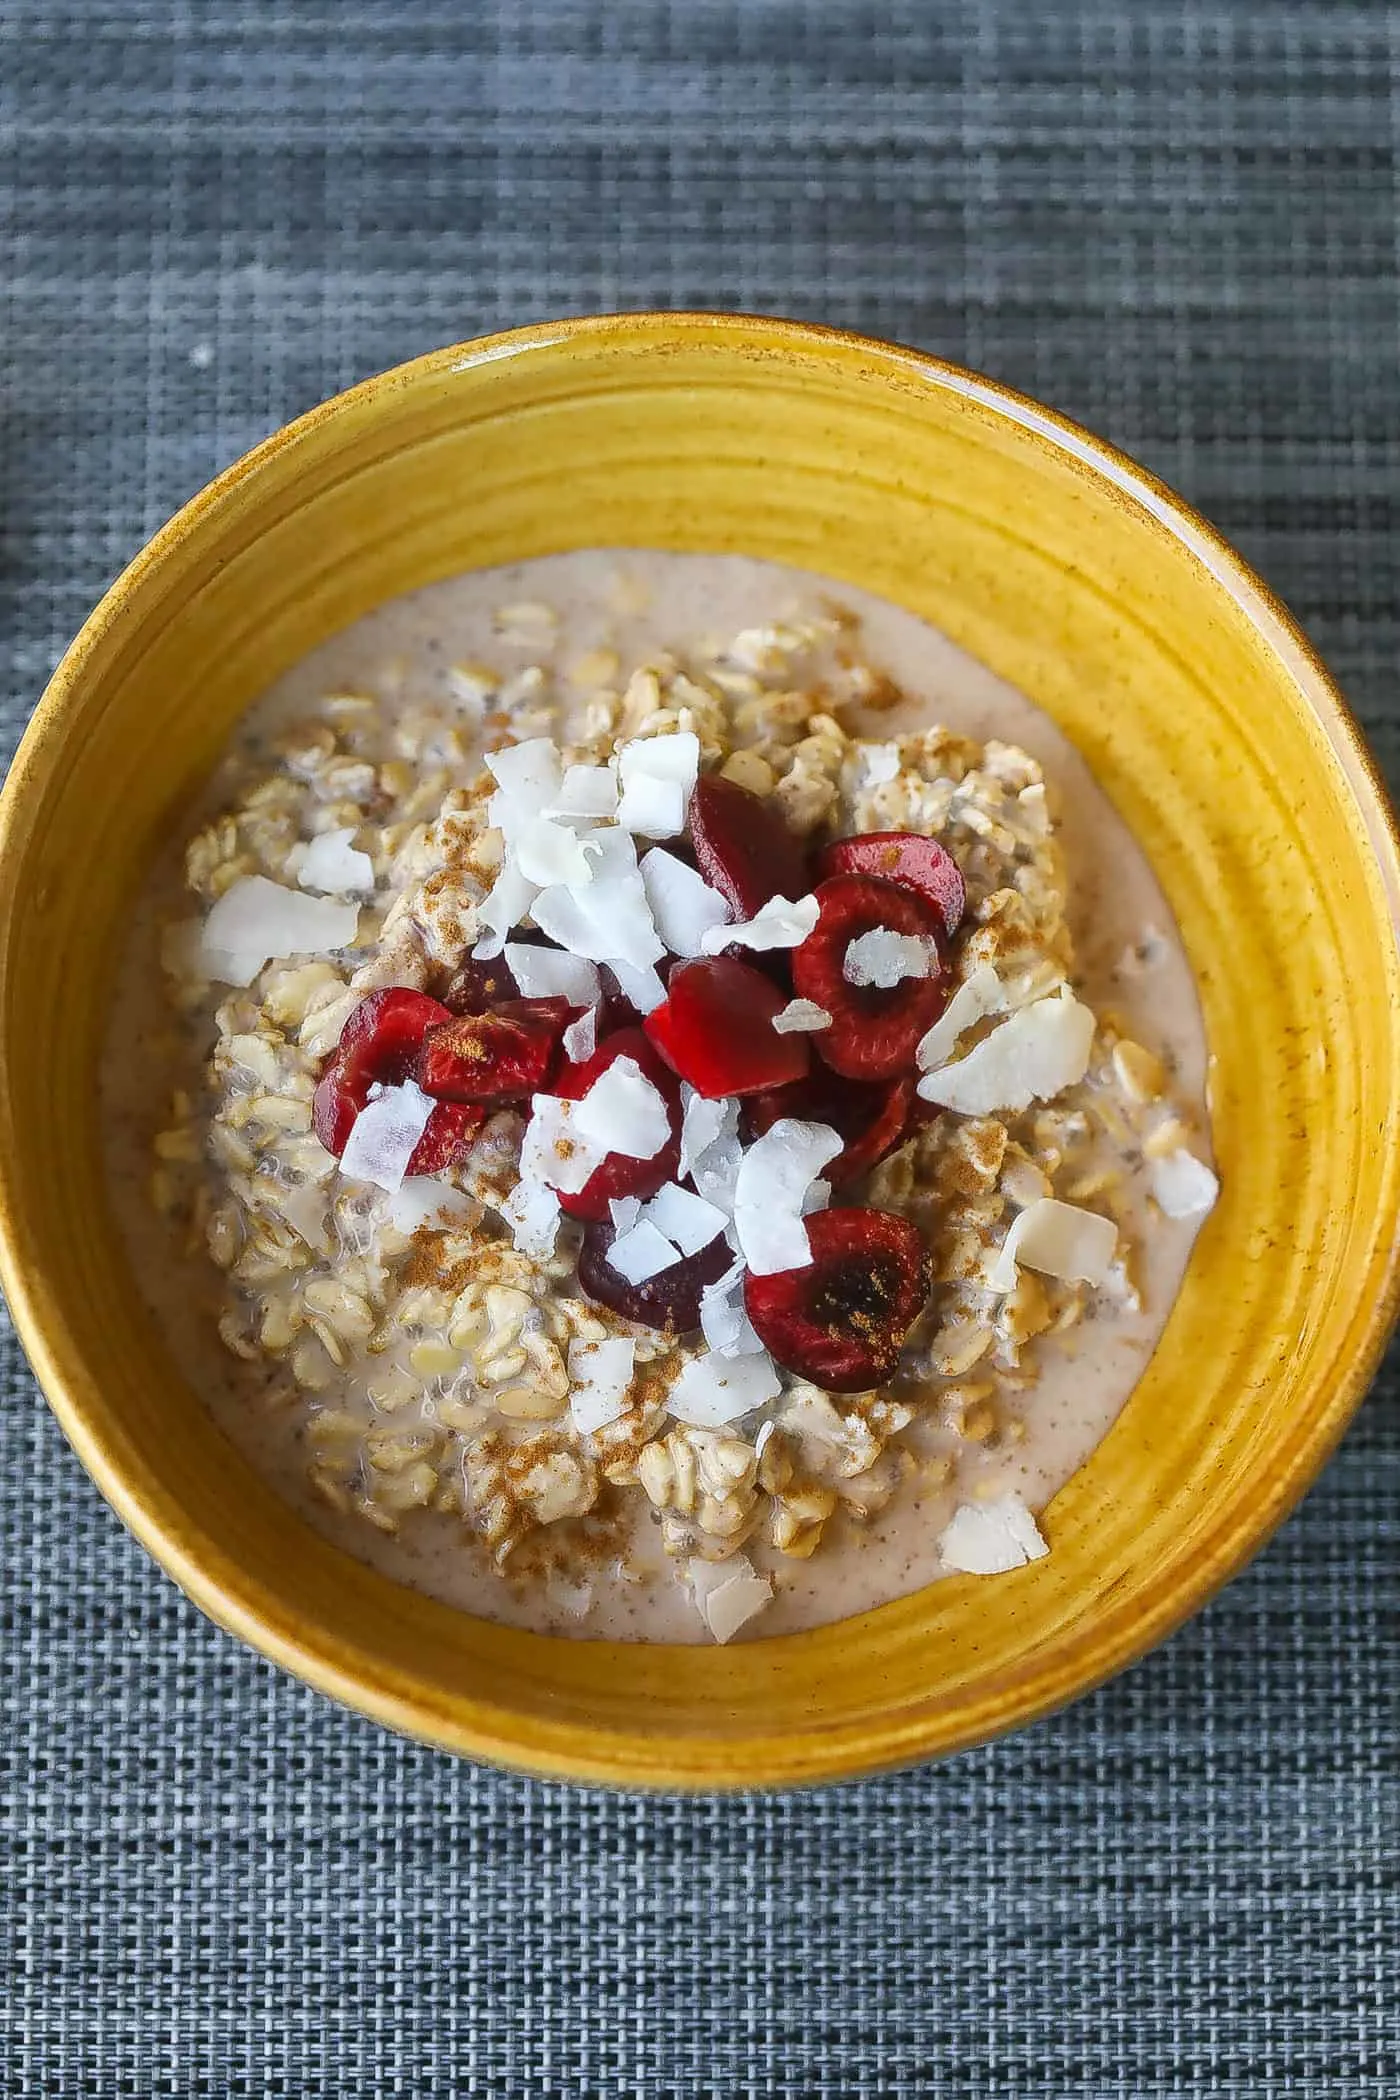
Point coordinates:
[[1067, 572]]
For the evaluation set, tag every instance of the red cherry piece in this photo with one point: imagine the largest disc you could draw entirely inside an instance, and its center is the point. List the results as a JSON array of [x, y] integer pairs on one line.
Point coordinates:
[[742, 846], [502, 1055], [906, 857], [474, 986], [378, 1046], [716, 1029], [451, 1132], [874, 1031], [870, 1118], [841, 1321], [670, 1300], [620, 1175]]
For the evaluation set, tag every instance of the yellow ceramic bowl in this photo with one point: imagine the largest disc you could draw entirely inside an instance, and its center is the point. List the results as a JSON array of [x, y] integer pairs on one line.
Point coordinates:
[[1070, 572]]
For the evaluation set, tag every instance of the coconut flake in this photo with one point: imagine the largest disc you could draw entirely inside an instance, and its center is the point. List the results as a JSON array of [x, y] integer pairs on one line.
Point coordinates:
[[992, 1538], [642, 1253], [332, 864], [723, 1320], [732, 1603], [601, 1373], [547, 852], [585, 791], [623, 1112], [608, 918], [509, 899], [1032, 1056], [1057, 1239], [683, 905], [1183, 1185], [713, 1390], [657, 774], [257, 921], [884, 959], [702, 1121], [532, 1212], [801, 1017], [554, 1150], [643, 988], [781, 923], [420, 1198], [530, 773], [978, 995], [774, 1179], [550, 973], [385, 1133], [687, 1220], [580, 1038]]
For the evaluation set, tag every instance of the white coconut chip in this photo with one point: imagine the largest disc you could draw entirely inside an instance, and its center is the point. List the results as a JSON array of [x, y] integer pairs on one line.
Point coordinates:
[[601, 1373], [992, 1538], [586, 791], [683, 905], [775, 1179], [509, 900], [530, 774], [713, 1390], [333, 865], [532, 1212], [1057, 1239], [546, 852], [551, 973], [687, 1220], [781, 923], [580, 1038], [422, 1198], [1032, 1056], [702, 1122], [801, 1017], [623, 1112], [729, 1604], [978, 995], [1183, 1185], [642, 987], [657, 775], [384, 1136], [884, 959], [608, 918], [642, 1253], [257, 921], [554, 1150], [723, 1321]]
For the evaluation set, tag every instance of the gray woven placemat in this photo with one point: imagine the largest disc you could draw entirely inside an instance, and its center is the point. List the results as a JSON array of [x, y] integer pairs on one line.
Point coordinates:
[[1172, 220]]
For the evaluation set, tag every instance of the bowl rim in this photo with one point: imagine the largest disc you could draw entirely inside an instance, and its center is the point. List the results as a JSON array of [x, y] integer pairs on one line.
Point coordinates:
[[475, 1727]]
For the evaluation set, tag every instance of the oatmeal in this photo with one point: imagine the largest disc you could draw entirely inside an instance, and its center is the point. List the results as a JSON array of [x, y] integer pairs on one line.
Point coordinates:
[[658, 1100]]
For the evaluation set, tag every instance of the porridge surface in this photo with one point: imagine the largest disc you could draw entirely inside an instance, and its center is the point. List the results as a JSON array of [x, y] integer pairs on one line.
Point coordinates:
[[404, 1377]]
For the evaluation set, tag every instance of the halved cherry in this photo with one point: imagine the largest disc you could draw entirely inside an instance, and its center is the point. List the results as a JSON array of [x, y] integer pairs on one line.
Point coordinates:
[[870, 1118], [619, 1174], [874, 1031], [499, 1056], [379, 1046], [742, 846], [906, 857], [716, 1029], [842, 1321], [670, 1300], [473, 986]]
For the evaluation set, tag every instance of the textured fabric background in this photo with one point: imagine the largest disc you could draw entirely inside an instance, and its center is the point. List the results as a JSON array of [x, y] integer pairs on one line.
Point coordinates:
[[1175, 221]]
